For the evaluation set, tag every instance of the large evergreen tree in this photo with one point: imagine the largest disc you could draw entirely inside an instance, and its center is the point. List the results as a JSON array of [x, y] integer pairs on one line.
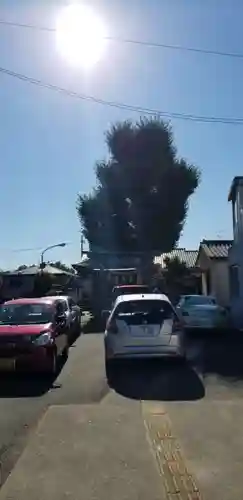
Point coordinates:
[[140, 202]]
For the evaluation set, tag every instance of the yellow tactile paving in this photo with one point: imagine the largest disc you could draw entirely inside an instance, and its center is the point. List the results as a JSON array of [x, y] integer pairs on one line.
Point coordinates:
[[178, 482]]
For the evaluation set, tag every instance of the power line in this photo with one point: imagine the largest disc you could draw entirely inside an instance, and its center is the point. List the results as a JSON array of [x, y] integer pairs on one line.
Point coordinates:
[[123, 106], [20, 250], [146, 43]]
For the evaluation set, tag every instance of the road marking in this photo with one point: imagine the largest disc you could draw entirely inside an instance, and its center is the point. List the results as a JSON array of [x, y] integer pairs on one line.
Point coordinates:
[[178, 482]]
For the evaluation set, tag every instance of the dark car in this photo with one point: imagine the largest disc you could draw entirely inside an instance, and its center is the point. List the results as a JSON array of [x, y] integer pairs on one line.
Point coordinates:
[[33, 334]]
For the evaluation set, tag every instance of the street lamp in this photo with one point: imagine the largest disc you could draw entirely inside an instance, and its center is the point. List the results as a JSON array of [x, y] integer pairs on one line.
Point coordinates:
[[42, 265]]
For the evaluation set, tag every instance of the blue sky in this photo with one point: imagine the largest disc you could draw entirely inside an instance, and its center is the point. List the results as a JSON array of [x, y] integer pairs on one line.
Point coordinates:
[[49, 143]]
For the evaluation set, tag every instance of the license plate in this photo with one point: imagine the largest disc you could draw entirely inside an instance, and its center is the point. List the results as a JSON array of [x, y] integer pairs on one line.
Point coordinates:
[[7, 364]]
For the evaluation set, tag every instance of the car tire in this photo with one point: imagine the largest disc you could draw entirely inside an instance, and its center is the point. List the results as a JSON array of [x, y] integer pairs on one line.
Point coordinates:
[[65, 353], [109, 369], [51, 368], [181, 360], [77, 328]]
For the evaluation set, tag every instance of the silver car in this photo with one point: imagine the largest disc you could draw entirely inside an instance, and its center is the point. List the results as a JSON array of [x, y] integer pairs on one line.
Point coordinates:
[[143, 326], [202, 312], [73, 314]]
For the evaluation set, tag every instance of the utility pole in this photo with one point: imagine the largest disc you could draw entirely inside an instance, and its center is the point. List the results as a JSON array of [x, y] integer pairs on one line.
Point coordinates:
[[42, 264]]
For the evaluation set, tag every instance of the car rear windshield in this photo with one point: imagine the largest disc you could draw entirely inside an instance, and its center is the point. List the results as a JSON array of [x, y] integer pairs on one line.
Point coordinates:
[[200, 300], [152, 311], [128, 290], [25, 314]]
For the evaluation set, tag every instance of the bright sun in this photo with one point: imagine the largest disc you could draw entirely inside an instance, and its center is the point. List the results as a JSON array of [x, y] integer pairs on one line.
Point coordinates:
[[80, 35]]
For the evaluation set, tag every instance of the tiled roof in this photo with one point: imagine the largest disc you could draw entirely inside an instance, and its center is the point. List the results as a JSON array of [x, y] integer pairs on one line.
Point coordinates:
[[33, 270], [216, 249], [189, 257]]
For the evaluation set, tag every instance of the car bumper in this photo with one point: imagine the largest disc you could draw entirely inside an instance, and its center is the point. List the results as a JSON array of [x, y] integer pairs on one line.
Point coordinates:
[[161, 351], [37, 359]]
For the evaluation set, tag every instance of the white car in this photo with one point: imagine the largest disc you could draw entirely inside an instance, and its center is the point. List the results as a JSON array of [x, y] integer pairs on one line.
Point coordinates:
[[72, 312], [143, 326], [202, 312]]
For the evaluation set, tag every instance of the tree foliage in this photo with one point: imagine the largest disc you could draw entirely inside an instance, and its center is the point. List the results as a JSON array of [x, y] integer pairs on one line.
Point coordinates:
[[22, 267], [176, 271], [140, 202]]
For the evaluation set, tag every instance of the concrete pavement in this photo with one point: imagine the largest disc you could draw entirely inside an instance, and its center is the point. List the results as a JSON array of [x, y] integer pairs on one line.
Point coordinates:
[[23, 400], [87, 453], [177, 429]]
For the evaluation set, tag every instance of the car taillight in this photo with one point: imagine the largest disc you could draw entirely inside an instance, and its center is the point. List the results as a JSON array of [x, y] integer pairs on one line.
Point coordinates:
[[111, 327]]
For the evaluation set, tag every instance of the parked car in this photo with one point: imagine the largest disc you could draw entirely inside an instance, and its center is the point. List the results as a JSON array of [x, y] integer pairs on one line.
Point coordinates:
[[128, 289], [73, 315], [143, 325], [33, 334], [202, 312]]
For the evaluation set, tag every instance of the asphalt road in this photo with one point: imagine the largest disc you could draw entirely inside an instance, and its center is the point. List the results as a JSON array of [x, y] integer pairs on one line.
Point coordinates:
[[214, 371]]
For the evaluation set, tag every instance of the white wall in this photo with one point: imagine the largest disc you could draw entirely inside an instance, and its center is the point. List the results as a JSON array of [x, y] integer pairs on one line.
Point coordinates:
[[220, 281]]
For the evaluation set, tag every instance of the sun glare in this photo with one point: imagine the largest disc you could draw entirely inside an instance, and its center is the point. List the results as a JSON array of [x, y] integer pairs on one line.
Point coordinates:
[[80, 35]]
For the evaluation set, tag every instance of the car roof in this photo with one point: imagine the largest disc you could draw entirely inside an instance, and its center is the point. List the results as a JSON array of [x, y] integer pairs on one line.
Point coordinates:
[[36, 300], [198, 295], [130, 286], [57, 297], [141, 296]]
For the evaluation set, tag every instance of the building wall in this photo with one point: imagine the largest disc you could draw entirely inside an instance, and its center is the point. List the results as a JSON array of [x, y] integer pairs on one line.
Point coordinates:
[[215, 278], [220, 281], [14, 286], [236, 289]]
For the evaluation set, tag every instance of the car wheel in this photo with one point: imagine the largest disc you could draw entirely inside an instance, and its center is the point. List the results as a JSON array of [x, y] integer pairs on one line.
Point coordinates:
[[109, 368], [77, 327], [51, 368], [181, 360], [65, 353]]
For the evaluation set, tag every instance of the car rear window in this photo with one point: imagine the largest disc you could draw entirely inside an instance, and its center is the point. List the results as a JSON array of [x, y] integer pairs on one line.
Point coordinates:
[[200, 300], [151, 311], [128, 290]]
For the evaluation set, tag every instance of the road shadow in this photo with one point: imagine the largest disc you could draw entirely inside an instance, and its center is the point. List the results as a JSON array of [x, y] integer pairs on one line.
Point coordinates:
[[27, 385], [157, 379], [223, 355], [93, 325]]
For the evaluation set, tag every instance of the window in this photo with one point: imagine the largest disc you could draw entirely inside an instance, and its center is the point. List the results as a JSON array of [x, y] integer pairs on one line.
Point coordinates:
[[60, 307], [234, 281], [199, 300], [135, 312], [64, 305], [71, 302], [26, 313]]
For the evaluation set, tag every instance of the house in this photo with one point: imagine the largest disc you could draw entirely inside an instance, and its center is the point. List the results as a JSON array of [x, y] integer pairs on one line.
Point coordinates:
[[213, 261], [120, 267], [21, 283], [188, 257], [190, 283], [236, 252]]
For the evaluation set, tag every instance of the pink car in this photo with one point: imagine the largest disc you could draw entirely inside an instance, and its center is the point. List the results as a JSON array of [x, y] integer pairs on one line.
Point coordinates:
[[33, 334]]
